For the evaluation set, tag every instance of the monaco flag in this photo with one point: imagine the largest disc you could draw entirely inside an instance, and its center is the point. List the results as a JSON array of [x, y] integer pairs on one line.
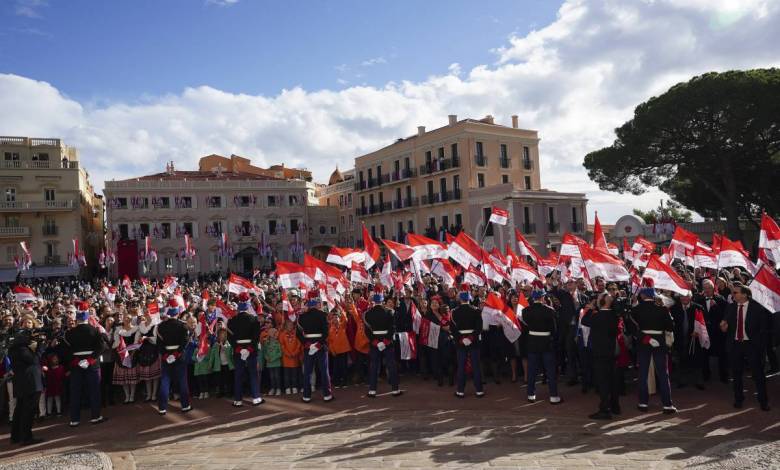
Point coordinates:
[[24, 294], [399, 250], [664, 277], [292, 275], [700, 328], [499, 216], [371, 249], [599, 240], [704, 259], [386, 275], [500, 314], [426, 248], [359, 274], [465, 251], [525, 248], [733, 254], [237, 285], [570, 245], [445, 270], [769, 240], [522, 272], [642, 246], [345, 256], [474, 278], [765, 288]]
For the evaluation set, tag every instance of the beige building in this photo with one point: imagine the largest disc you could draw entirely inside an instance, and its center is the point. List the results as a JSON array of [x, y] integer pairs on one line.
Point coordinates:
[[339, 193], [47, 202], [265, 217], [445, 179]]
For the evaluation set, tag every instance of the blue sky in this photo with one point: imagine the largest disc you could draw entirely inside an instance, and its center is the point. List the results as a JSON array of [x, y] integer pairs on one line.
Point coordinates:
[[136, 83], [107, 50]]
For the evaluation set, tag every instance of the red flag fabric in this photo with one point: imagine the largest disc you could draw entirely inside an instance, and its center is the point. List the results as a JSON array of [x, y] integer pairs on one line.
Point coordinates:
[[399, 250], [570, 245], [664, 277], [604, 265], [498, 216], [292, 275], [224, 311], [371, 249], [599, 240], [238, 284], [465, 251], [769, 240], [525, 248], [359, 274], [427, 248], [345, 256], [700, 329], [24, 294], [765, 288]]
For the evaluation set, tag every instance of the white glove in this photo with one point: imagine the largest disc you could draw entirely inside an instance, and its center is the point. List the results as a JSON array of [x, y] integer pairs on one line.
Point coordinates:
[[83, 363], [381, 346], [654, 342], [313, 349], [466, 342], [244, 354], [171, 359]]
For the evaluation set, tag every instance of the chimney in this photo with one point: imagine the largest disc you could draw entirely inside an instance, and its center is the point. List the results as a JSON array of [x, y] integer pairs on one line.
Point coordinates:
[[488, 119], [514, 121], [420, 130], [453, 119]]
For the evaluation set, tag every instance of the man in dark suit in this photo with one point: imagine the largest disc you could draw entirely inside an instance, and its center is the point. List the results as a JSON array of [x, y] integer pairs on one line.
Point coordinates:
[[27, 386], [714, 307], [571, 300], [690, 354], [746, 324], [603, 326]]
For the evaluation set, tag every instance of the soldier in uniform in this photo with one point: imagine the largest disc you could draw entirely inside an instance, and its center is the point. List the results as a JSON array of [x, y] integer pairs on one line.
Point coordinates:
[[171, 339], [466, 326], [380, 330], [541, 324], [244, 336], [653, 321], [84, 346], [313, 334]]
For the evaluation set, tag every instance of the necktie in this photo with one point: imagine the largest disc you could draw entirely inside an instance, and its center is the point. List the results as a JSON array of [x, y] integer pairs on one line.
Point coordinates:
[[740, 323]]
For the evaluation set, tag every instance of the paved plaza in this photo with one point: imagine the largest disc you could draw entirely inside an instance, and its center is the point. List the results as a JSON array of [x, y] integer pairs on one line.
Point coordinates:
[[426, 427]]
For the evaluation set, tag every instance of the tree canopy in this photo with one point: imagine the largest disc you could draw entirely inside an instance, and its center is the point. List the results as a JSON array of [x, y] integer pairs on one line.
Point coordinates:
[[712, 144], [671, 211]]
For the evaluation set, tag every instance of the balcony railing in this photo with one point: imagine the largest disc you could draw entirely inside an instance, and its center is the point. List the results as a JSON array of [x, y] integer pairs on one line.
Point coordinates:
[[51, 260], [576, 227], [14, 231], [480, 160], [529, 228], [405, 203], [403, 174], [361, 211], [439, 165], [505, 162], [37, 205], [553, 227], [39, 164], [528, 164], [49, 230]]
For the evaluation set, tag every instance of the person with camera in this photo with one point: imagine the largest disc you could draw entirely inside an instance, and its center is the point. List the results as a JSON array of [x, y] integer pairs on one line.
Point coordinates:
[[27, 383]]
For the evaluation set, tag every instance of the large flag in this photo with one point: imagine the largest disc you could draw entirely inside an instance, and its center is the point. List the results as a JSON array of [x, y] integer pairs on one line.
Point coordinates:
[[769, 240], [682, 240], [359, 274], [292, 275], [24, 294], [547, 265], [705, 259], [522, 272], [445, 270], [765, 288], [604, 265], [429, 334], [599, 240], [170, 284], [499, 216], [465, 251], [321, 268], [628, 253], [641, 245], [525, 248], [371, 249], [493, 272], [224, 311], [499, 313], [416, 318], [399, 250], [473, 277], [345, 256], [407, 346], [386, 275], [733, 254], [664, 277], [701, 328], [426, 248], [237, 285], [570, 245]]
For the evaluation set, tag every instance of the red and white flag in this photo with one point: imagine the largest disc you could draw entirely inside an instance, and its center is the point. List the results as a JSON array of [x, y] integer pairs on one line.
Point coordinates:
[[224, 311], [502, 315], [399, 250], [473, 277], [641, 245], [170, 284], [127, 285], [445, 270], [613, 249], [429, 334], [359, 274], [499, 216], [547, 265], [769, 240], [370, 248], [386, 274], [523, 272], [154, 312], [24, 294], [663, 276], [498, 259], [493, 272], [238, 284], [599, 240], [705, 259], [525, 248], [732, 253], [628, 253], [345, 256], [292, 275], [465, 251], [189, 250], [700, 328], [321, 268], [407, 346], [765, 288], [426, 248], [570, 245], [416, 318]]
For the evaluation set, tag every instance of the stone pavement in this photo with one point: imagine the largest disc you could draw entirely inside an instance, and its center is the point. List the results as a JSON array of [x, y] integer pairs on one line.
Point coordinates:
[[428, 427]]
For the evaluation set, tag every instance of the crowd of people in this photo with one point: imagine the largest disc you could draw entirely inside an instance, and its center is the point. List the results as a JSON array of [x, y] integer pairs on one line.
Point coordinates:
[[80, 343]]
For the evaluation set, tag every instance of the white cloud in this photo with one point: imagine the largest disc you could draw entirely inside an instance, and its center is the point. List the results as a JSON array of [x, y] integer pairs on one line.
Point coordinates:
[[574, 81], [29, 8], [222, 3], [373, 61]]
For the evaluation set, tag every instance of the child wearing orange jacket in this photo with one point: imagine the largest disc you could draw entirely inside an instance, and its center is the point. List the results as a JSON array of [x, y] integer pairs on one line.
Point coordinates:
[[292, 352], [338, 345]]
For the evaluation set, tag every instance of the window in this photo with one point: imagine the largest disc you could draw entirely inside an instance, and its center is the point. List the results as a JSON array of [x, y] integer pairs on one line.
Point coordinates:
[[505, 179], [322, 230], [48, 194], [293, 200], [12, 221], [272, 201], [485, 218], [527, 182], [526, 154], [527, 215], [480, 149], [246, 228], [293, 226], [349, 200], [574, 214], [430, 191], [428, 158], [49, 225], [370, 177], [214, 201], [381, 201], [42, 157], [184, 202], [11, 156], [363, 202], [121, 203], [443, 187], [272, 227], [343, 225], [432, 223], [400, 232], [407, 163], [480, 180], [373, 231], [371, 201], [164, 202], [398, 197], [10, 194], [333, 230], [51, 249], [381, 230], [441, 153], [397, 168], [144, 229], [551, 214], [216, 227], [458, 221], [445, 222], [351, 221], [504, 157], [123, 232], [454, 151], [165, 229], [10, 253], [410, 226], [409, 193], [341, 201], [379, 174], [187, 226]]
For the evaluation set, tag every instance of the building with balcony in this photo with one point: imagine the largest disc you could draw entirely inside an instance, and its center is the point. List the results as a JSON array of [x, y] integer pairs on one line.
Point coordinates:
[[339, 193], [265, 217], [47, 201]]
